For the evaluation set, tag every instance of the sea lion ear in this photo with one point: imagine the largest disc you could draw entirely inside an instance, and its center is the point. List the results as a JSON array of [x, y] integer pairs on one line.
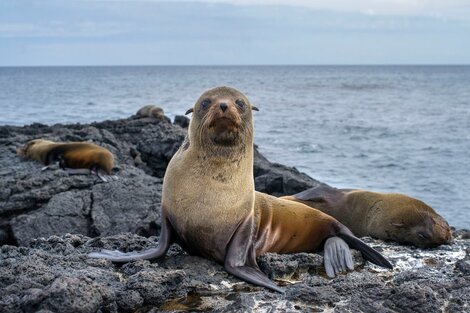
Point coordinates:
[[397, 224], [191, 110], [254, 108]]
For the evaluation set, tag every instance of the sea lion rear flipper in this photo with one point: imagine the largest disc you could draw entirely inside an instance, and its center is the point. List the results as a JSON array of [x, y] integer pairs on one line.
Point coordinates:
[[77, 171], [368, 252], [240, 259], [323, 193], [104, 176], [154, 253], [337, 257]]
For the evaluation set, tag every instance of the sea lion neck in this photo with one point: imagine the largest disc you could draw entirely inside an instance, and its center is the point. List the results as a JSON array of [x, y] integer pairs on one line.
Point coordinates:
[[222, 159]]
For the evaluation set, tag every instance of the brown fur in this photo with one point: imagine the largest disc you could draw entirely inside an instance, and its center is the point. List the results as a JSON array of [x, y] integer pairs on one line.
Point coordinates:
[[151, 111], [385, 216], [208, 190], [209, 204], [285, 227], [72, 155]]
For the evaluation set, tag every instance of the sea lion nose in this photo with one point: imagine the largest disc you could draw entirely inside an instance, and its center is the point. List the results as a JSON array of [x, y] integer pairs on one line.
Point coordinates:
[[223, 106]]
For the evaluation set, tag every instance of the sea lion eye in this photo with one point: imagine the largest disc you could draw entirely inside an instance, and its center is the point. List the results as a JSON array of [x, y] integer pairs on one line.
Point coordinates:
[[240, 103], [205, 103], [423, 235]]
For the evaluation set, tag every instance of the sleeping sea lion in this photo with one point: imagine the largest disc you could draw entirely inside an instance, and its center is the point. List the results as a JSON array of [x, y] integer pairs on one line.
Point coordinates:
[[151, 111], [75, 157], [387, 216], [210, 208]]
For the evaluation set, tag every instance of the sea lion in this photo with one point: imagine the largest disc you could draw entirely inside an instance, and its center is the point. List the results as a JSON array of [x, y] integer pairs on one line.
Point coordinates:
[[387, 216], [75, 157], [210, 208], [151, 111]]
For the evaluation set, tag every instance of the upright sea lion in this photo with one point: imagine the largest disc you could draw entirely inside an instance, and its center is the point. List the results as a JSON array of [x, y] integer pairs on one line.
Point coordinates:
[[210, 208], [387, 216], [76, 157]]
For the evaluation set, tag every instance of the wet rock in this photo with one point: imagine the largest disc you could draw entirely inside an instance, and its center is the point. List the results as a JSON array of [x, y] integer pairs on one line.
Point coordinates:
[[44, 268], [53, 274]]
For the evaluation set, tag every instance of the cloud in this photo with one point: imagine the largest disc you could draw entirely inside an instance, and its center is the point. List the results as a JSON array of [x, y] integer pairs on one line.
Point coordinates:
[[156, 32], [61, 29], [450, 9]]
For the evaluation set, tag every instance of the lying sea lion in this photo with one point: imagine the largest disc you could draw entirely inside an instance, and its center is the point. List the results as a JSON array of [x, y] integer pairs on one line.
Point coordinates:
[[75, 157], [387, 216], [151, 111], [210, 208]]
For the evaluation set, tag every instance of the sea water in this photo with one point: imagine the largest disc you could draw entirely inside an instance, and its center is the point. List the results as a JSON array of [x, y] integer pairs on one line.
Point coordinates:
[[385, 128]]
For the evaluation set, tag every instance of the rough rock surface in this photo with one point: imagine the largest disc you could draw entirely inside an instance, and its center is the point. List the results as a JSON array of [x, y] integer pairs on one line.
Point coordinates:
[[54, 275], [44, 268], [40, 204]]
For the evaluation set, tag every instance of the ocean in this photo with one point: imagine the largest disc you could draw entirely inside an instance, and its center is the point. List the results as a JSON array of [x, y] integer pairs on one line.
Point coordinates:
[[384, 128]]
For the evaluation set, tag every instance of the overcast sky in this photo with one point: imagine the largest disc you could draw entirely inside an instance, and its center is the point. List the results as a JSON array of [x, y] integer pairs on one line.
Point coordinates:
[[59, 32]]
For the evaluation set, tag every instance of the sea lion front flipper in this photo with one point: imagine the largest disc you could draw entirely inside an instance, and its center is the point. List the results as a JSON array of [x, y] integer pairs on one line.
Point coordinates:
[[105, 177], [252, 275], [154, 253], [337, 257], [240, 259]]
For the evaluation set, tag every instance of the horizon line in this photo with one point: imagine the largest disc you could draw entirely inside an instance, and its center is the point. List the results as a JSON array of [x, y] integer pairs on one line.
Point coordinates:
[[242, 65]]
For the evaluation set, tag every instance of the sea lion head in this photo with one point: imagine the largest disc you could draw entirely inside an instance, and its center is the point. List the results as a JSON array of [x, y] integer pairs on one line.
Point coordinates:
[[28, 150], [413, 221], [222, 120]]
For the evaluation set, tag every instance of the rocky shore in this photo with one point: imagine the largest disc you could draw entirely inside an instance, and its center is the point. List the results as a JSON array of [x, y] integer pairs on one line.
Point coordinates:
[[50, 220]]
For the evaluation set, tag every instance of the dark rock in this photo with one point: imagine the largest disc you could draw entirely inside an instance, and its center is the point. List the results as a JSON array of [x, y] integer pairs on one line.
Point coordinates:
[[48, 270], [182, 121], [279, 180], [54, 274], [35, 203]]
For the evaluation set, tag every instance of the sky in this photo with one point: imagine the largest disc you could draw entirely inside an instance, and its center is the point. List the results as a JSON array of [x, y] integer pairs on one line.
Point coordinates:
[[233, 32]]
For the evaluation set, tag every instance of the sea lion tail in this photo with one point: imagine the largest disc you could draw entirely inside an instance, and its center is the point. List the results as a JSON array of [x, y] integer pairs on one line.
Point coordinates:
[[368, 252]]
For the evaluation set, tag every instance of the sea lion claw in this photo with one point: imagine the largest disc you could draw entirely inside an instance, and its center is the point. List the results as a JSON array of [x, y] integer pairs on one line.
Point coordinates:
[[102, 177]]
